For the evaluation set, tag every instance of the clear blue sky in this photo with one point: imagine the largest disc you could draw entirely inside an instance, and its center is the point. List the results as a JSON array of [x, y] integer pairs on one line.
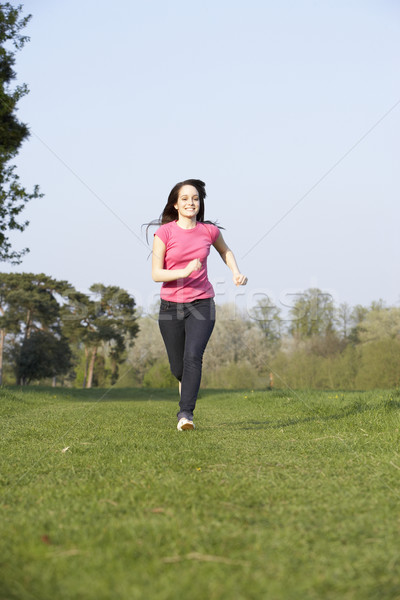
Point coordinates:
[[259, 99]]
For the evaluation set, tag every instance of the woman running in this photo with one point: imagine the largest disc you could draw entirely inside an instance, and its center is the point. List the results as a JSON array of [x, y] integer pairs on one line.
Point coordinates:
[[187, 310]]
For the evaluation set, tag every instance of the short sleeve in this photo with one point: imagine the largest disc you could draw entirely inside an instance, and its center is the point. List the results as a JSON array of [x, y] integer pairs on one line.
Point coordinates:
[[162, 233], [214, 233]]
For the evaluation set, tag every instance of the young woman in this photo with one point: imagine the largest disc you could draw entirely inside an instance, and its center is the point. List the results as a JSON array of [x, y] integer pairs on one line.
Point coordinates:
[[187, 311]]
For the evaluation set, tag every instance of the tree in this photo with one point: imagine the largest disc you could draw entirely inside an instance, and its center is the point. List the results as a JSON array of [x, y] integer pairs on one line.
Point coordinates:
[[11, 314], [312, 314], [42, 355], [267, 318], [78, 316], [13, 196], [106, 322], [343, 319], [28, 303], [379, 324], [357, 317], [114, 322], [33, 300]]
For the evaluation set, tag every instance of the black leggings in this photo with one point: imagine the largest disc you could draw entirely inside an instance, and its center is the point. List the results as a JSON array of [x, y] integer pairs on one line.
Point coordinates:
[[186, 329]]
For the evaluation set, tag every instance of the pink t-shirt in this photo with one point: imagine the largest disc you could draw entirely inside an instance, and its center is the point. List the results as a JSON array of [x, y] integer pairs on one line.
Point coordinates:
[[182, 246]]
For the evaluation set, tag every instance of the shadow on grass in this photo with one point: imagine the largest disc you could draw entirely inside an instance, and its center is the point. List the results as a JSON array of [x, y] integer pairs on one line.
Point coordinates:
[[354, 408], [97, 394], [106, 394]]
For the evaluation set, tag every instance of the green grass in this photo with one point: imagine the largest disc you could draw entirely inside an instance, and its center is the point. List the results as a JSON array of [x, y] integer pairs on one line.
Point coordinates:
[[275, 495]]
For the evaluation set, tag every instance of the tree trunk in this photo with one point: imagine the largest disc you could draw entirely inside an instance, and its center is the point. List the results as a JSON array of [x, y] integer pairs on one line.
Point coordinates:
[[91, 368], [114, 372], [86, 367], [28, 325], [271, 380], [2, 336]]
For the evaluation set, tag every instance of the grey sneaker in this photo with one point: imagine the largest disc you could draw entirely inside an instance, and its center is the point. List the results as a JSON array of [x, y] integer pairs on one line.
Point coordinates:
[[185, 424]]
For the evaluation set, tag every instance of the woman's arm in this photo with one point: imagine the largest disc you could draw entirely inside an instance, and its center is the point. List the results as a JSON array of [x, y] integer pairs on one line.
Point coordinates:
[[158, 272], [229, 259]]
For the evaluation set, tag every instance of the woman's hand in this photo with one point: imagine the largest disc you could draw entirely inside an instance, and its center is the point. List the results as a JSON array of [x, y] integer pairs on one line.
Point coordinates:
[[194, 265], [229, 259], [239, 279]]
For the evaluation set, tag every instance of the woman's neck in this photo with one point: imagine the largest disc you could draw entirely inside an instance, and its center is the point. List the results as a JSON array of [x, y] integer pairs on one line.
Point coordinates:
[[186, 223]]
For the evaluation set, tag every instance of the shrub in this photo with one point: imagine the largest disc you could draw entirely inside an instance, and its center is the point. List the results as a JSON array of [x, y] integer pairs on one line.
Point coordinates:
[[159, 376], [234, 376]]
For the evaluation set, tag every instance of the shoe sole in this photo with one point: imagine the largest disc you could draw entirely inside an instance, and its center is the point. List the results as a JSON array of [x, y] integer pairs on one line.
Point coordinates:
[[186, 427]]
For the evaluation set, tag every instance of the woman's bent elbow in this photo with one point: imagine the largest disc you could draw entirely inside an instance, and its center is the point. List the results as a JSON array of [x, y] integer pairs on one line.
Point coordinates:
[[157, 276]]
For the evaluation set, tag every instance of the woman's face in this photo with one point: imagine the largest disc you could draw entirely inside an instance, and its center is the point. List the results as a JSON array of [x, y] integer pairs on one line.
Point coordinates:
[[188, 204]]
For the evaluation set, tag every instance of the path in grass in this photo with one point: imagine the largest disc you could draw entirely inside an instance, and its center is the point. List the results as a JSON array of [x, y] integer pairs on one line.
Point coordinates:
[[275, 495]]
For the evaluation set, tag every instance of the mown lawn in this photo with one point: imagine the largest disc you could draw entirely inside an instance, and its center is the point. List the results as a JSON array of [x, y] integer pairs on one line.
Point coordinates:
[[292, 495]]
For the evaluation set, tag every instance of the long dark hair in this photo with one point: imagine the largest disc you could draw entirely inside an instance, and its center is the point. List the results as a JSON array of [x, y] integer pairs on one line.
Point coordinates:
[[171, 214]]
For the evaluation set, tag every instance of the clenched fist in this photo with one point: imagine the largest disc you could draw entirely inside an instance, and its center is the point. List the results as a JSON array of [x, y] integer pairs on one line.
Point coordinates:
[[194, 265]]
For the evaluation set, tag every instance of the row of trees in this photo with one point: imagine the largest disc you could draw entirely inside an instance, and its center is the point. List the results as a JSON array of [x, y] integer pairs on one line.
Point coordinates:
[[48, 329], [315, 344]]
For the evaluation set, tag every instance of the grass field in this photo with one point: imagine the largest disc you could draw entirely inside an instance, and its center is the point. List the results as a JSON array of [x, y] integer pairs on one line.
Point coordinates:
[[275, 495]]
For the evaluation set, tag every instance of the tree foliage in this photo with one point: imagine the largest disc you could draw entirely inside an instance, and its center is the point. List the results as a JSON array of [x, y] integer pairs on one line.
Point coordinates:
[[28, 303], [43, 355], [312, 314], [380, 323], [13, 132], [319, 345], [45, 316], [267, 317], [105, 320]]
